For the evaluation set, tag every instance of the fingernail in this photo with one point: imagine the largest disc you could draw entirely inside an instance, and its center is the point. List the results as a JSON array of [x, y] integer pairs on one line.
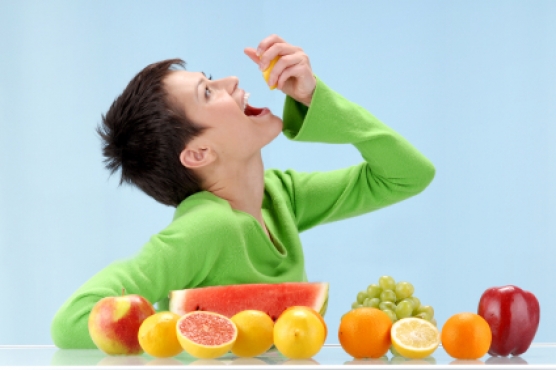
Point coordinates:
[[259, 52]]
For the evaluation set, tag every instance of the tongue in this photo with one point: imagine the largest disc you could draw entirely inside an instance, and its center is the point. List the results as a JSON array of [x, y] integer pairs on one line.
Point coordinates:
[[252, 111]]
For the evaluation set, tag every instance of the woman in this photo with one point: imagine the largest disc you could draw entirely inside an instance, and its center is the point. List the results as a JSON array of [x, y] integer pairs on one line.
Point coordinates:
[[195, 144]]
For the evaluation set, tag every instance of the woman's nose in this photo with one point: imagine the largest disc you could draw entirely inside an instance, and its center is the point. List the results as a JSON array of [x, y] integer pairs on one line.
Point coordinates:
[[229, 83], [233, 82]]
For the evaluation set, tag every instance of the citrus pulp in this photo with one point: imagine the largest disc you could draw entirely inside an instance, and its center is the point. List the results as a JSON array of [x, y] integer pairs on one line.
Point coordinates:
[[414, 338], [206, 334]]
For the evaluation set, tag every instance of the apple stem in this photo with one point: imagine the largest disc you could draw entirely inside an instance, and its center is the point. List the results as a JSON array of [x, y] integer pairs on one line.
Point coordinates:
[[123, 291]]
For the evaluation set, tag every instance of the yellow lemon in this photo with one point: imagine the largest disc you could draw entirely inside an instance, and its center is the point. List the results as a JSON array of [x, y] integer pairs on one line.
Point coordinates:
[[254, 333], [206, 334], [414, 337], [299, 333], [157, 335], [318, 315], [266, 72]]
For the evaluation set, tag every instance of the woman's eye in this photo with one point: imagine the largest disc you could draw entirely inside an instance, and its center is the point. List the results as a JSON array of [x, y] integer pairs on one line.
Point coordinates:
[[207, 90]]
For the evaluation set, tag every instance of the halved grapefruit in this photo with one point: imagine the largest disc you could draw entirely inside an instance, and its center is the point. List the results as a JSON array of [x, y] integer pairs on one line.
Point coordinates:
[[205, 334]]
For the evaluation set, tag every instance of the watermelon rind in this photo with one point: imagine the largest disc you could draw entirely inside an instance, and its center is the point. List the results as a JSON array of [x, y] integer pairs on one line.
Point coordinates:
[[270, 298], [322, 311]]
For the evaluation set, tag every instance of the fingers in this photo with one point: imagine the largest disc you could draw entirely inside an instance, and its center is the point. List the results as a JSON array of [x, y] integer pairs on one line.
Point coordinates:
[[293, 62], [278, 49], [267, 42], [263, 60], [284, 63], [272, 46], [252, 54], [306, 82], [292, 71]]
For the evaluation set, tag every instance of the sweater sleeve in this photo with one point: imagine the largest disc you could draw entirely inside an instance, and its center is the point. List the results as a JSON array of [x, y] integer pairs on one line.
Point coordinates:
[[175, 258], [393, 169]]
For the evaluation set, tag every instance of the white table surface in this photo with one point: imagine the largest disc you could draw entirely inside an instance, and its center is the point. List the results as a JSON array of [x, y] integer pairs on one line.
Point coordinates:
[[331, 356]]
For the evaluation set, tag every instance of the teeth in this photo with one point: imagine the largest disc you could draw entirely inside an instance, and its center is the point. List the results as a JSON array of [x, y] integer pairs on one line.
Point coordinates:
[[245, 99]]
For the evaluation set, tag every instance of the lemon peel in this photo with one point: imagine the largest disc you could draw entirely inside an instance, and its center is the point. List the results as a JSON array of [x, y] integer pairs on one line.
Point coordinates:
[[254, 333], [299, 334], [157, 335], [266, 72]]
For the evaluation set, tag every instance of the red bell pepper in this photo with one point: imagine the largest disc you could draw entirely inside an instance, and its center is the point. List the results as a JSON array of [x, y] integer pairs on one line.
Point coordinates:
[[513, 315]]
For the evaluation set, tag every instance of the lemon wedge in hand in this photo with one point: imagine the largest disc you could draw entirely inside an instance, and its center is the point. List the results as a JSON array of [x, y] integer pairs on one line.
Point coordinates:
[[266, 72]]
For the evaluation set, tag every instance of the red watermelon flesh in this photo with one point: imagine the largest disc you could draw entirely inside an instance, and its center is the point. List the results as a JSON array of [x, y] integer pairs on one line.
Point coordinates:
[[270, 298]]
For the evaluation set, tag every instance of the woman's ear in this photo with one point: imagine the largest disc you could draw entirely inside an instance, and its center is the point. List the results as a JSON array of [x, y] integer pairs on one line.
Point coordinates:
[[196, 157]]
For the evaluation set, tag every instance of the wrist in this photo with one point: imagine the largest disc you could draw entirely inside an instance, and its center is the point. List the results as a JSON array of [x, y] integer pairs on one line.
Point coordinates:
[[307, 100]]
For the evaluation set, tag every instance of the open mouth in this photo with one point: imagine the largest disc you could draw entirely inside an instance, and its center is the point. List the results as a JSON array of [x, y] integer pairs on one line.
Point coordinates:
[[252, 111]]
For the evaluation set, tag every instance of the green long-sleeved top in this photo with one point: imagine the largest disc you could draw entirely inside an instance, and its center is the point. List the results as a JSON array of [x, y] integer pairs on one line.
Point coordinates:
[[209, 243]]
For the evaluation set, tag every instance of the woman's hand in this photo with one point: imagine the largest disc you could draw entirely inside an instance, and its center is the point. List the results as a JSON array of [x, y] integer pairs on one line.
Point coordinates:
[[292, 73]]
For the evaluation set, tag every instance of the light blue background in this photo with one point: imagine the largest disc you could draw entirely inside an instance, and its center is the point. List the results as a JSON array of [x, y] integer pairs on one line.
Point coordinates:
[[472, 84]]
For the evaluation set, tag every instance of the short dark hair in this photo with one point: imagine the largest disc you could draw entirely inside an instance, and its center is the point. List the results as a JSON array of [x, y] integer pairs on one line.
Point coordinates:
[[143, 134]]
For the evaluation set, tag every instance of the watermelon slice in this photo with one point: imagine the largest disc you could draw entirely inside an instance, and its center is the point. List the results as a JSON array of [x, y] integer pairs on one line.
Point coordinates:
[[270, 298]]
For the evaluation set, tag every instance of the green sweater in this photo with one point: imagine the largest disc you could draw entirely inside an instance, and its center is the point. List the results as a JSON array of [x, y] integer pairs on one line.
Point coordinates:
[[209, 243]]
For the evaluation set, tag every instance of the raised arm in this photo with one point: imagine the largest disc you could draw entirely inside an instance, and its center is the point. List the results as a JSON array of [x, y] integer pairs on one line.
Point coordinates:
[[393, 169]]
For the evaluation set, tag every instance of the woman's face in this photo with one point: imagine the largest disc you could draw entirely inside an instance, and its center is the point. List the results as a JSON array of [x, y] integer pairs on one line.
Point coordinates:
[[232, 131]]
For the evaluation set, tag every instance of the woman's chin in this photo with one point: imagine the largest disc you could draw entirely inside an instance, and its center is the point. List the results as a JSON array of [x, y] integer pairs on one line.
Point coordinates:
[[279, 124]]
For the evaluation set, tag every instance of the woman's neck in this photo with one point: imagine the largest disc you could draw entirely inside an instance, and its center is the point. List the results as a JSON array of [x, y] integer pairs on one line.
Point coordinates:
[[242, 185]]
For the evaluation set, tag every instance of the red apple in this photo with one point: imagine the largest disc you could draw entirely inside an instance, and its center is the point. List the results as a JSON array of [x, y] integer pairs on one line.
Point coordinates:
[[114, 323], [513, 315]]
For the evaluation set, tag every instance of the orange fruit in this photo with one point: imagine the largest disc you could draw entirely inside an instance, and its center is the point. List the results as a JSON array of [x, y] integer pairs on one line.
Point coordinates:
[[157, 335], [254, 333], [299, 333], [466, 336], [206, 334], [365, 332]]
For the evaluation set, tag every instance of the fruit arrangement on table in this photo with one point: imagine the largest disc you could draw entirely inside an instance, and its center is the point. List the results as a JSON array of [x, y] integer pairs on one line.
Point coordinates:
[[249, 319], [208, 322]]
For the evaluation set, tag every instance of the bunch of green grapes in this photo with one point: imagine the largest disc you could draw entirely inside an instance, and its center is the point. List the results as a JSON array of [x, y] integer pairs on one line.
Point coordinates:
[[395, 300]]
